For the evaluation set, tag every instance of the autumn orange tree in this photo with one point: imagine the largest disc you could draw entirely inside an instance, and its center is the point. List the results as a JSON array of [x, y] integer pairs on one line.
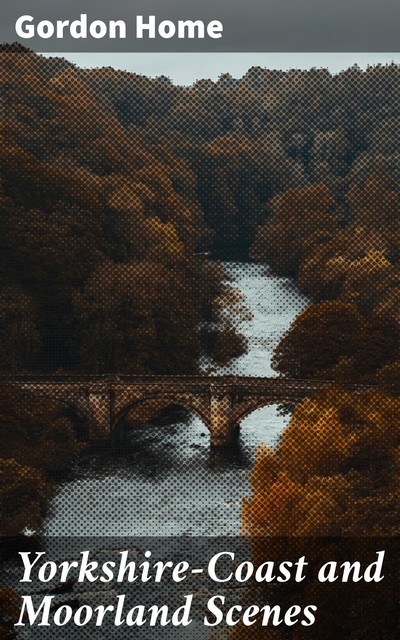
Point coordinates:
[[334, 472], [331, 483]]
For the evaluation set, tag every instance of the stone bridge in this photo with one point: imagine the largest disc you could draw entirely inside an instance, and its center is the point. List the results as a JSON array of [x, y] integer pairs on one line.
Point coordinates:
[[221, 402]]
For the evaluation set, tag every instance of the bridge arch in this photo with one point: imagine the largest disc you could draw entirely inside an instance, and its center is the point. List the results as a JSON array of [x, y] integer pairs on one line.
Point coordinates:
[[191, 404], [243, 411], [72, 408], [81, 419]]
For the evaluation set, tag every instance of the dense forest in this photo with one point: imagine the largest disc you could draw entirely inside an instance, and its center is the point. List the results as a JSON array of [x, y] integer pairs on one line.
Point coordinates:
[[111, 181], [101, 232], [114, 186]]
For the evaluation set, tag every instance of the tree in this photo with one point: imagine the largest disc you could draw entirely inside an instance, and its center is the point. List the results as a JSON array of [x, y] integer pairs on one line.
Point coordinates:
[[126, 325], [334, 472], [331, 485], [376, 204], [21, 341], [318, 338], [295, 216], [22, 497], [36, 432]]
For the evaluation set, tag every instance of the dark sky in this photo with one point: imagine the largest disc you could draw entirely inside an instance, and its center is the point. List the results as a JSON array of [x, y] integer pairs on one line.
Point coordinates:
[[251, 25]]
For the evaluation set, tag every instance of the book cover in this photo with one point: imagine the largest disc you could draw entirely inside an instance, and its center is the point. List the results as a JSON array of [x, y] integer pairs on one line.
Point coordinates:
[[199, 315]]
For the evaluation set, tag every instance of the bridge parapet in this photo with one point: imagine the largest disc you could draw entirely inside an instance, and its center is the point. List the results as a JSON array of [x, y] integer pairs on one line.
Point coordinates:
[[220, 401]]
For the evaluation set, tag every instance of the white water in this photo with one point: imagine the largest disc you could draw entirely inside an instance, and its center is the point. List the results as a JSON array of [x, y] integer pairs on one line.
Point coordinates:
[[169, 482]]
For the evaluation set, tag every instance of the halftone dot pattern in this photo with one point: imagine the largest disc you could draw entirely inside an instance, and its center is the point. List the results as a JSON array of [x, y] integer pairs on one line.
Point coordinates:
[[119, 196]]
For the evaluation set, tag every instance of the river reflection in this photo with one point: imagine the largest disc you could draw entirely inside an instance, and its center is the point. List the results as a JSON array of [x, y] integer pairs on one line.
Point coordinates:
[[166, 480]]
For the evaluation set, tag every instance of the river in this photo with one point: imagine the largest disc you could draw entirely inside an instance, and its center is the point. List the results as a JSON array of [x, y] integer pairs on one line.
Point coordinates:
[[167, 481]]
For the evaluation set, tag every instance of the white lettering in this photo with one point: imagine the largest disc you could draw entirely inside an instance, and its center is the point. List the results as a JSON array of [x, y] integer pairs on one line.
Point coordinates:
[[25, 27], [86, 568], [28, 565], [79, 619], [212, 566], [215, 29], [141, 26], [78, 28], [47, 571], [215, 610], [190, 29], [98, 29], [182, 28], [117, 29], [62, 615], [61, 24], [24, 30], [308, 615], [45, 29], [166, 29], [27, 607]]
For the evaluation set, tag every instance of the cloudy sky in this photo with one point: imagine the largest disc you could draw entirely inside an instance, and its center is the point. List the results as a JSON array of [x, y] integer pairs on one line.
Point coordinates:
[[348, 27], [249, 25], [189, 67]]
